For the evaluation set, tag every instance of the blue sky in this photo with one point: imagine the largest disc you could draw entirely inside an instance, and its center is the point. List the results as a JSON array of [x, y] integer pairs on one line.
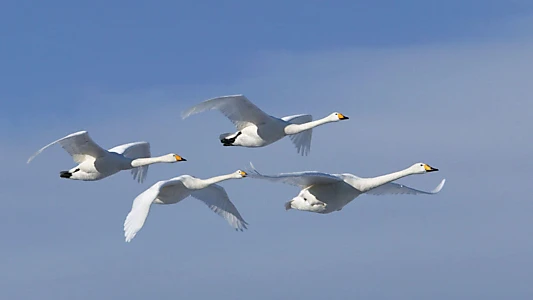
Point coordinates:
[[446, 83], [59, 45]]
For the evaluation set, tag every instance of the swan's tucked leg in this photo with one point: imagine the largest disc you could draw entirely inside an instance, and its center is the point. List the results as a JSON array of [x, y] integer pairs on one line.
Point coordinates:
[[227, 139]]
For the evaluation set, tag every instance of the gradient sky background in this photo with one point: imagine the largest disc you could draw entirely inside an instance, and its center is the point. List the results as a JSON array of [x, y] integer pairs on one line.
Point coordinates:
[[445, 83]]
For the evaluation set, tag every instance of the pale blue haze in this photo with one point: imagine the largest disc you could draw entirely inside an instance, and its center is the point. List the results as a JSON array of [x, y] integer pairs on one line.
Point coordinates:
[[443, 82]]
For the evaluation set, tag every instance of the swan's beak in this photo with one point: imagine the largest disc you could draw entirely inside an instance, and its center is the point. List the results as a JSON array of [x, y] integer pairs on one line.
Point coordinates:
[[243, 174], [430, 169], [179, 158], [343, 117]]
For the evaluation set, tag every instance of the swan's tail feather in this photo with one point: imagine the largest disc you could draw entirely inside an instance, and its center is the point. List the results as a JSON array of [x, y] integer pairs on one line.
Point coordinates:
[[225, 135]]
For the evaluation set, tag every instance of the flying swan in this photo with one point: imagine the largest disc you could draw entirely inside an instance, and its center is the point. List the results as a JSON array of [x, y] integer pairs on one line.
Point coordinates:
[[95, 163], [258, 129], [176, 189], [325, 193]]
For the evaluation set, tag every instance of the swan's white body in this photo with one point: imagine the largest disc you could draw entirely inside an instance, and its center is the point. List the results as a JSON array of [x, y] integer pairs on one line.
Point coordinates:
[[325, 193], [258, 129], [176, 189], [96, 163]]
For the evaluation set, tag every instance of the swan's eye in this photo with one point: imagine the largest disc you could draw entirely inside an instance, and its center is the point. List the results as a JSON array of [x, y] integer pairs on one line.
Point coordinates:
[[421, 165], [305, 199]]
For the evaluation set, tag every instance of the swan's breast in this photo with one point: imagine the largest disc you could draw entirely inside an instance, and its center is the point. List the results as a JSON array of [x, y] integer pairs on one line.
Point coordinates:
[[259, 136], [335, 195]]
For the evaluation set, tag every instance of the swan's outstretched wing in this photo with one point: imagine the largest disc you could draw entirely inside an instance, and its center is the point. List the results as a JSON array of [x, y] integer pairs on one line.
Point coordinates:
[[302, 140], [396, 188], [218, 201], [78, 145], [237, 108], [134, 151], [142, 203], [300, 179]]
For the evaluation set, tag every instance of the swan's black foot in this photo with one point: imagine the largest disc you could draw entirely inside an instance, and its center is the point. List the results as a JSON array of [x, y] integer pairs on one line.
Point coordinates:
[[230, 141], [65, 174]]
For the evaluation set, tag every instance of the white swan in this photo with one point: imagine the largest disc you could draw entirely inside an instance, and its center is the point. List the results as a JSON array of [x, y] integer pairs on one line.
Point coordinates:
[[95, 163], [258, 129], [325, 193], [176, 189]]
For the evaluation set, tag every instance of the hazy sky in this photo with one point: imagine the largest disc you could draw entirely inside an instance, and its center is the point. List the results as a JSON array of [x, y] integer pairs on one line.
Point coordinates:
[[447, 84]]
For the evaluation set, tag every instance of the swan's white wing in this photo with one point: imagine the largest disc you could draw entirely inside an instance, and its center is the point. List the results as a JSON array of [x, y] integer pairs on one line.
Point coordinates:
[[218, 201], [237, 108], [302, 140], [78, 145], [300, 179], [134, 151], [395, 188], [139, 211], [141, 206]]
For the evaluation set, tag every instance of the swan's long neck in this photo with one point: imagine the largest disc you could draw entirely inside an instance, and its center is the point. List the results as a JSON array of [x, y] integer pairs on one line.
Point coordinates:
[[139, 162], [297, 128], [370, 183], [203, 183]]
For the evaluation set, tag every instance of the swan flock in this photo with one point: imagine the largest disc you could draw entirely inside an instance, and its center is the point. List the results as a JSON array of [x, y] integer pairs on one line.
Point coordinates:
[[319, 192]]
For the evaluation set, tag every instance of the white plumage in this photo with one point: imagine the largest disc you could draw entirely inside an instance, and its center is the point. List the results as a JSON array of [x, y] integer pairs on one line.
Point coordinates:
[[176, 189], [258, 129], [95, 163], [326, 193]]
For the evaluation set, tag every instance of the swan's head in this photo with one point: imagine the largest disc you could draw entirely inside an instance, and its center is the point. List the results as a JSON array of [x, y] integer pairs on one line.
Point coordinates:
[[421, 168], [172, 158], [337, 116], [307, 202], [240, 174]]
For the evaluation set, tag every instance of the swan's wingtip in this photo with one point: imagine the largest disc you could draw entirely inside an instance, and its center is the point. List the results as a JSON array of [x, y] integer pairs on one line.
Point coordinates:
[[32, 157], [128, 237], [185, 114], [253, 170], [439, 187]]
